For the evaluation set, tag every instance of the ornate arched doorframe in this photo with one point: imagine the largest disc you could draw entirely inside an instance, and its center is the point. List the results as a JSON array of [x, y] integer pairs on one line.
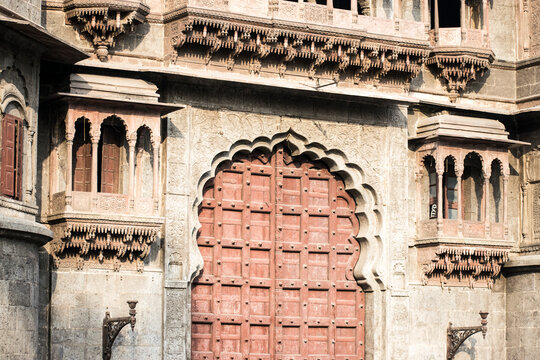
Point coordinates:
[[369, 213]]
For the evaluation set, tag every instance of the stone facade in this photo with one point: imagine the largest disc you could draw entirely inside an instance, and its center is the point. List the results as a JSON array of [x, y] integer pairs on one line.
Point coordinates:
[[428, 119]]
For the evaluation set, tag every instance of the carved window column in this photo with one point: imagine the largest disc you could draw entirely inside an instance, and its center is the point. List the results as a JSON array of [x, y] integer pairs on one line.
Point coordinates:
[[425, 15], [436, 22], [94, 137], [70, 134], [524, 211], [155, 188], [459, 173], [485, 6], [131, 142], [440, 173], [397, 9], [463, 22], [505, 204], [487, 175], [418, 203]]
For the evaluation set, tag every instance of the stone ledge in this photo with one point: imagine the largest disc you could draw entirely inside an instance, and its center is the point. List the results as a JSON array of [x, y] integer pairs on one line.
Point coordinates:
[[527, 263], [25, 230]]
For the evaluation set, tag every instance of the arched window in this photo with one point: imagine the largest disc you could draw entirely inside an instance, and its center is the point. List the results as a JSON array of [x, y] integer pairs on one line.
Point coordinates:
[[82, 156], [12, 150], [472, 188], [144, 164], [450, 199], [495, 192], [112, 154], [429, 196]]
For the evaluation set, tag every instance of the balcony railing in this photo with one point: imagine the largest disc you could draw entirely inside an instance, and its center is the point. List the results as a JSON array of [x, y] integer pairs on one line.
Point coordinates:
[[102, 203]]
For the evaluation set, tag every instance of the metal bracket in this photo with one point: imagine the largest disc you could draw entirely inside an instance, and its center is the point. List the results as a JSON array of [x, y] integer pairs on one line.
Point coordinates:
[[112, 327], [457, 335]]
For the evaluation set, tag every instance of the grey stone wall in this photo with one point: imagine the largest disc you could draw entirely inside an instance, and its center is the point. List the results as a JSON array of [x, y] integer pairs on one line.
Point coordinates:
[[29, 9], [432, 308], [523, 315], [528, 80], [19, 293], [79, 300]]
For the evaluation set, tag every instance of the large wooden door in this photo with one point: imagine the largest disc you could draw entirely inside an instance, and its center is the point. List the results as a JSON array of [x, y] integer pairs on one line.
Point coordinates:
[[278, 248]]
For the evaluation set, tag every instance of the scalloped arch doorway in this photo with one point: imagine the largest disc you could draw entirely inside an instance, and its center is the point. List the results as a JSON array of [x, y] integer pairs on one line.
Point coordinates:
[[277, 241]]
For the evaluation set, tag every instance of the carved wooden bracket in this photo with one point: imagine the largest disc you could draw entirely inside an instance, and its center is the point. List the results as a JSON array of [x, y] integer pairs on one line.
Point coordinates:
[[103, 21], [79, 243], [466, 263], [339, 55], [459, 67]]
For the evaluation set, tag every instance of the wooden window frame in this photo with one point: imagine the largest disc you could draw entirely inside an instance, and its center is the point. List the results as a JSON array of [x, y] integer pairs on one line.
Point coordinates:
[[16, 171]]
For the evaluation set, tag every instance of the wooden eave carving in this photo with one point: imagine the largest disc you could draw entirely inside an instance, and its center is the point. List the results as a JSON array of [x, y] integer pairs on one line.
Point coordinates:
[[457, 264], [459, 66], [103, 21], [86, 243], [352, 55]]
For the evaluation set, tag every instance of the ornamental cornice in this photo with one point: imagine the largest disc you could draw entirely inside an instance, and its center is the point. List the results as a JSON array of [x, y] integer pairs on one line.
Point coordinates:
[[102, 21], [353, 54]]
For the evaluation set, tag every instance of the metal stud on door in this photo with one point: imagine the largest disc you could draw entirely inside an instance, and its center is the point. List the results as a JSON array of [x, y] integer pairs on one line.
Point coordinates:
[[278, 248]]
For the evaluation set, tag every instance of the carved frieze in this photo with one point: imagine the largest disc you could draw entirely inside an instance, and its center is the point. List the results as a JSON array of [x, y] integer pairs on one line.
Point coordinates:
[[457, 67], [103, 21], [454, 265], [91, 243], [319, 54]]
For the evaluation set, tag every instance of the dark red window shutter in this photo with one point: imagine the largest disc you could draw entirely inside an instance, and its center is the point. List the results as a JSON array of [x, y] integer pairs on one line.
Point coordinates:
[[110, 162], [10, 177], [82, 169]]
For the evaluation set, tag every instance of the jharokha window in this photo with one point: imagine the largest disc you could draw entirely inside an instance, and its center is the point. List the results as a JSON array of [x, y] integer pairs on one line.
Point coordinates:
[[12, 150], [462, 176]]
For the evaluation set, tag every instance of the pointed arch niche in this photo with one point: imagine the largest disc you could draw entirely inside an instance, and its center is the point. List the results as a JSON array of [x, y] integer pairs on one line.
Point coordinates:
[[462, 176]]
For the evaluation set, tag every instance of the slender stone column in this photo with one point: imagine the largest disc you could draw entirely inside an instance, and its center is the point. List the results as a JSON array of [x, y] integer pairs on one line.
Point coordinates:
[[131, 185], [505, 205], [419, 198], [486, 204], [459, 174], [155, 185], [69, 170], [440, 173], [485, 4], [462, 21], [436, 13], [94, 178], [524, 211], [425, 15]]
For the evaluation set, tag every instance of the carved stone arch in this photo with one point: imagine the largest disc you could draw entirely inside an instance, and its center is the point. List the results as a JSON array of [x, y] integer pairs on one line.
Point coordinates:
[[451, 156], [368, 209], [482, 160], [150, 131], [12, 96], [13, 84], [499, 163], [116, 118]]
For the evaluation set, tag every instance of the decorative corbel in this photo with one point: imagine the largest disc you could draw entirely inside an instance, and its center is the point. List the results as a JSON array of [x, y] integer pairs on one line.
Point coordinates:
[[458, 68], [457, 335], [113, 326], [103, 22]]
